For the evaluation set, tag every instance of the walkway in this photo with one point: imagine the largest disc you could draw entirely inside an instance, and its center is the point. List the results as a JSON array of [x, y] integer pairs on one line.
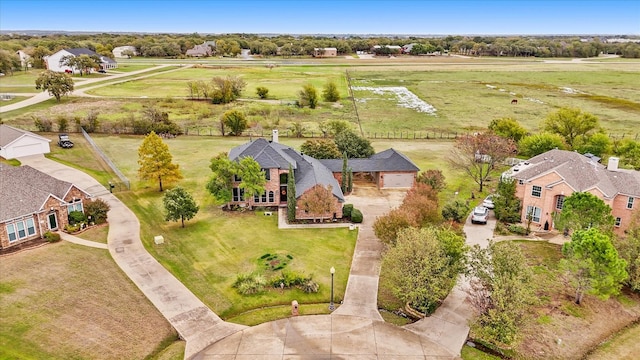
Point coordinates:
[[194, 322]]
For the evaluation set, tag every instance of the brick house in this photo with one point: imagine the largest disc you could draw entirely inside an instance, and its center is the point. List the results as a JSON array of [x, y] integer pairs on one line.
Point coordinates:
[[545, 180], [389, 169], [325, 52], [34, 203]]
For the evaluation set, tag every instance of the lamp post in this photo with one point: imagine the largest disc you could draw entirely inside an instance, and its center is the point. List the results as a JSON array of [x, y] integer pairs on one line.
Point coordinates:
[[331, 306]]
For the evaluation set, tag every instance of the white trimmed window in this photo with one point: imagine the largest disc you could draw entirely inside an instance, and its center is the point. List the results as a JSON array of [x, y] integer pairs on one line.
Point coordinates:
[[75, 206], [630, 203], [534, 212], [21, 229], [271, 198], [618, 222], [536, 191], [238, 194], [559, 202]]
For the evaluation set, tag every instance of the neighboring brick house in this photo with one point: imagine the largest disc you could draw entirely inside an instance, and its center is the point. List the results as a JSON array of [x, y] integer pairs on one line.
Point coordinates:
[[33, 203], [325, 52], [545, 180], [389, 169]]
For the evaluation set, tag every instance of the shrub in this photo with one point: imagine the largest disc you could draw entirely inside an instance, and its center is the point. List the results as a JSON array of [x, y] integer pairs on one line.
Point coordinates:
[[310, 286], [347, 210], [356, 216], [262, 92], [97, 210], [52, 237], [517, 229], [456, 210], [71, 228], [291, 279], [250, 283], [77, 217], [43, 125]]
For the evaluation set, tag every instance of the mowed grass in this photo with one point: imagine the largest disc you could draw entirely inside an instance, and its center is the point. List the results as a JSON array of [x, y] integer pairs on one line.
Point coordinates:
[[64, 301], [623, 345]]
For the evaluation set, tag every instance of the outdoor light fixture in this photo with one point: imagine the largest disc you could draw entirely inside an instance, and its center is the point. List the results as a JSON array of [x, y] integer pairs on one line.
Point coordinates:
[[331, 306]]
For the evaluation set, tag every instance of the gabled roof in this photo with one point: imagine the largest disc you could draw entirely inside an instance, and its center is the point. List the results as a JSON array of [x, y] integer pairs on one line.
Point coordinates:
[[388, 160], [9, 134], [272, 155], [581, 173], [24, 190], [89, 52]]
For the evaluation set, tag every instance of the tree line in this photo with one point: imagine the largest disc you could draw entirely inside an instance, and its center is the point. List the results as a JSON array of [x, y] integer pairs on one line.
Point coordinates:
[[176, 45]]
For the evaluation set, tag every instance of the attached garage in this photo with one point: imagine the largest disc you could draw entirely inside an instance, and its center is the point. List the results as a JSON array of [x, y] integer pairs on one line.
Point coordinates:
[[16, 143], [397, 180]]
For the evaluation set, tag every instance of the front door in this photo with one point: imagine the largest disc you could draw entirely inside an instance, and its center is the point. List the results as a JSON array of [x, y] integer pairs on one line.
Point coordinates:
[[53, 221], [283, 193]]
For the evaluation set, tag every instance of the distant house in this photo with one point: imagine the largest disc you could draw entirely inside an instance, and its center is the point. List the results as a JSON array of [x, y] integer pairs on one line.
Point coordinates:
[[203, 50], [545, 180], [25, 59], [34, 203], [389, 169], [406, 49], [386, 49], [53, 61], [325, 52], [15, 143], [117, 52]]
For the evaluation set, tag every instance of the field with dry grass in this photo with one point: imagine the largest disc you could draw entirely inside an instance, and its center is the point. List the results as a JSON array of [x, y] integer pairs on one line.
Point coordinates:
[[64, 301]]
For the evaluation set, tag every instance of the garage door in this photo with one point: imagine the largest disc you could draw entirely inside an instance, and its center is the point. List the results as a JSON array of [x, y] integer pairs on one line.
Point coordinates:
[[26, 150], [397, 180]]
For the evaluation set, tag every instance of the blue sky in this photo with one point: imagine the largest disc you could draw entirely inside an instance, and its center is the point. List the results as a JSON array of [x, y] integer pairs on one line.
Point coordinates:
[[453, 17]]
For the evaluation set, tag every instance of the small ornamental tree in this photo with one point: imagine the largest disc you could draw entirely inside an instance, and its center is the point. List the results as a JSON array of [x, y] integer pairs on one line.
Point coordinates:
[[155, 161], [507, 205], [236, 121], [262, 92], [330, 92], [97, 210], [308, 96], [456, 211], [318, 202], [432, 177], [593, 264], [179, 205], [507, 128], [354, 145]]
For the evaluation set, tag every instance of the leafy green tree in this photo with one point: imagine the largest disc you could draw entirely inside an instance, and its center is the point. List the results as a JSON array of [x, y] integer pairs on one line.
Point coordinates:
[[224, 90], [593, 264], [501, 290], [155, 161], [421, 270], [128, 53], [353, 145], [432, 177], [456, 210], [629, 152], [330, 92], [236, 121], [8, 62], [179, 205], [597, 144], [262, 92], [58, 84], [308, 96], [291, 195], [508, 128], [478, 155], [320, 149], [343, 178], [537, 144], [297, 128], [331, 128], [97, 211], [629, 249], [220, 184], [507, 205], [583, 210], [253, 178], [570, 124]]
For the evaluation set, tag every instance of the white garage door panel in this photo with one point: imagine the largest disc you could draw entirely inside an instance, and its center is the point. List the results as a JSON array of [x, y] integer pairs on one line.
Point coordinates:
[[26, 150], [398, 180]]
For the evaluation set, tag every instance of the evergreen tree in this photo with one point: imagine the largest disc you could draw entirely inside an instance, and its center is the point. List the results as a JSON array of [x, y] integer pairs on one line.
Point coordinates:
[[291, 195]]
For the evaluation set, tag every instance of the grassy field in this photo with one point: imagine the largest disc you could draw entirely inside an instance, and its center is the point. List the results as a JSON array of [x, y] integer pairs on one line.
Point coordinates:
[[623, 346], [64, 301], [466, 93]]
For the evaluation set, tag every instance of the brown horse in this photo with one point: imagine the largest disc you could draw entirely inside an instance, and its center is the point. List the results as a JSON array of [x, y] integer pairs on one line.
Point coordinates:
[[514, 102]]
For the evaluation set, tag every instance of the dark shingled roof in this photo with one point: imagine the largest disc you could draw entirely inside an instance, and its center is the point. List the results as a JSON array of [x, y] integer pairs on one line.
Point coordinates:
[[24, 190], [581, 173], [388, 160], [89, 52], [272, 155]]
